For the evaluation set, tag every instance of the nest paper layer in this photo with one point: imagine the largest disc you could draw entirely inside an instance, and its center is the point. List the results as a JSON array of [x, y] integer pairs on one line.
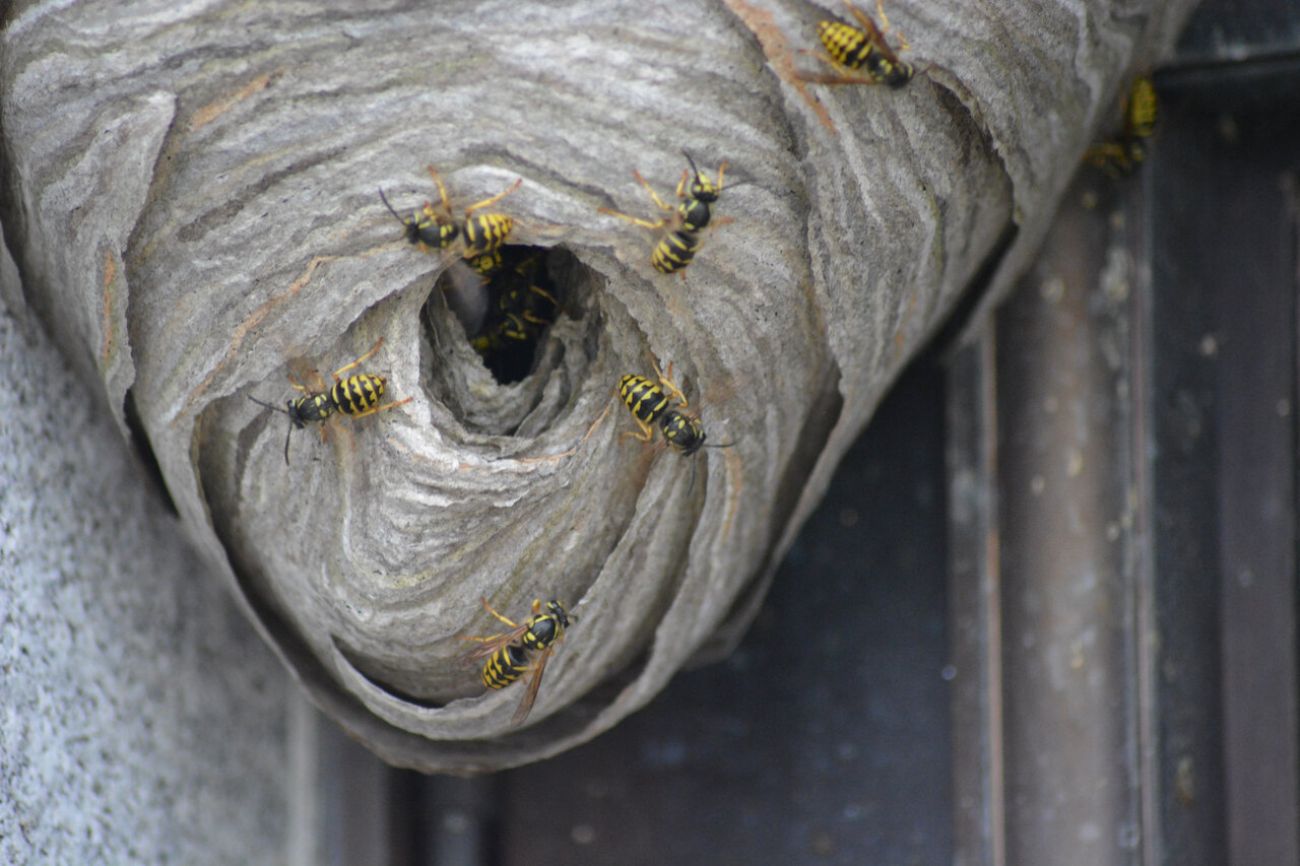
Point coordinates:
[[191, 199]]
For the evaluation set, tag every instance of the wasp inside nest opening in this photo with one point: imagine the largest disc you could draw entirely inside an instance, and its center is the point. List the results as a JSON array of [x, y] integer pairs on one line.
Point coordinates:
[[506, 300]]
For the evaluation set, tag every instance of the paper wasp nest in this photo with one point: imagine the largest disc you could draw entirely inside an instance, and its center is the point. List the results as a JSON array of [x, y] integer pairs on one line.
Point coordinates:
[[192, 200]]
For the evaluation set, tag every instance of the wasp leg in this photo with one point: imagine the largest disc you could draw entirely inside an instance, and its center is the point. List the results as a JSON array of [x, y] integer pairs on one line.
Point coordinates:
[[645, 224], [592, 429], [884, 24], [488, 607], [681, 184], [477, 639], [647, 432], [367, 356], [538, 290], [1097, 154], [654, 195], [1106, 151], [722, 170], [433, 215], [487, 202], [574, 450], [383, 408], [442, 191], [666, 380], [600, 419]]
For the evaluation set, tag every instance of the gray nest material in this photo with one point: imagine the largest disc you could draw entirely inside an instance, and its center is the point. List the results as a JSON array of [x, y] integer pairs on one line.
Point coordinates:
[[190, 197]]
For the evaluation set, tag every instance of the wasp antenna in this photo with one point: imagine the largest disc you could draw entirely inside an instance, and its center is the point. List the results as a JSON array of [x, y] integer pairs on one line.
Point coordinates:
[[384, 198], [691, 161], [719, 445], [288, 432], [268, 405], [690, 487]]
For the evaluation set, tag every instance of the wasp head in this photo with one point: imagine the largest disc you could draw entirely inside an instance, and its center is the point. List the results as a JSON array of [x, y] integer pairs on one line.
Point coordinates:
[[422, 227], [292, 408], [555, 609], [684, 432], [895, 75], [702, 188]]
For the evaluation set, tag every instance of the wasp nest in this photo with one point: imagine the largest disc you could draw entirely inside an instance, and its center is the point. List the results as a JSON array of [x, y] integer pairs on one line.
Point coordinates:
[[192, 198]]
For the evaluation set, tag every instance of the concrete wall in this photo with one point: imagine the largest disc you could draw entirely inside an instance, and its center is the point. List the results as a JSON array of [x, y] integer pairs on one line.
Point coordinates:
[[141, 719]]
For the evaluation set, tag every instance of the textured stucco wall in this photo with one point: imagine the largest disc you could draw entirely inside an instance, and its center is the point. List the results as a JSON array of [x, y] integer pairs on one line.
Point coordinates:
[[141, 720]]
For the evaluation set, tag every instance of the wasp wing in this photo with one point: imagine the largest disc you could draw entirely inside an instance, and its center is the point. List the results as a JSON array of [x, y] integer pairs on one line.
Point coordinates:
[[497, 641], [466, 294], [874, 34], [490, 645], [534, 683]]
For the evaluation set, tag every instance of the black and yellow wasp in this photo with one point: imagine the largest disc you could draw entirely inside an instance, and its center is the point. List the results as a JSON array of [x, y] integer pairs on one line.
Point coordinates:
[[522, 303], [488, 263], [651, 403], [479, 235], [682, 227], [522, 651], [1122, 154], [861, 56], [357, 396]]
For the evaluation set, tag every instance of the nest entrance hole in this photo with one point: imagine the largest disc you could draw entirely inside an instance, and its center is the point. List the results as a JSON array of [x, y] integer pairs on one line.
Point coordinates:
[[507, 303], [511, 340]]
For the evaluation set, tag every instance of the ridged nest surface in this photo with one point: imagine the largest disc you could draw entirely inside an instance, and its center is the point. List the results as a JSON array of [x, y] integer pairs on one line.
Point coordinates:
[[192, 201]]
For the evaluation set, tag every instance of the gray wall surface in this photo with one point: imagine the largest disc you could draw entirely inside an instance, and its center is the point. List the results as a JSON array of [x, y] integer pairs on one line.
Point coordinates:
[[141, 719]]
